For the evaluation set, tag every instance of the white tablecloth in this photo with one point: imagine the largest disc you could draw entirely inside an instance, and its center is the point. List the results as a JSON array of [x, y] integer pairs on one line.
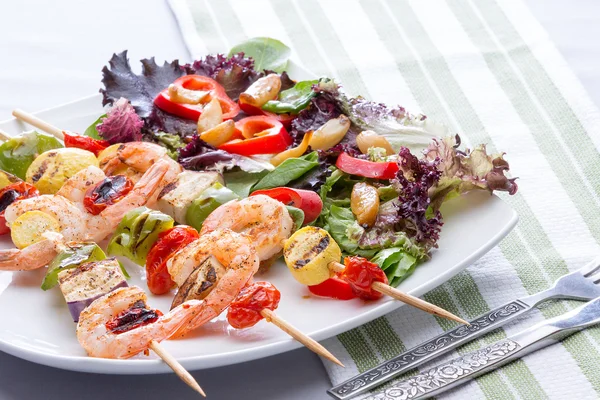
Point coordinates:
[[52, 52]]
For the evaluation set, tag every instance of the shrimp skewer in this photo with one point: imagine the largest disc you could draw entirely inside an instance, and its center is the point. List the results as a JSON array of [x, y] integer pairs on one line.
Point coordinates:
[[265, 220], [105, 328], [74, 222]]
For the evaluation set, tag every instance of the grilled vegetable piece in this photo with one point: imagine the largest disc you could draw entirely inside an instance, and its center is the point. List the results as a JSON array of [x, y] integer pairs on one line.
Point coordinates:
[[264, 89], [200, 282], [82, 285], [308, 253], [50, 170], [73, 255], [7, 179], [137, 232], [331, 133], [368, 139], [17, 154], [364, 202], [29, 227], [207, 202], [178, 197], [220, 134], [211, 116]]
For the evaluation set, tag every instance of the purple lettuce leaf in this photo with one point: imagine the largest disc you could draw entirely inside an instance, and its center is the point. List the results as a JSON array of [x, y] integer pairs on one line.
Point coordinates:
[[462, 171], [121, 123], [413, 182], [120, 81], [198, 155]]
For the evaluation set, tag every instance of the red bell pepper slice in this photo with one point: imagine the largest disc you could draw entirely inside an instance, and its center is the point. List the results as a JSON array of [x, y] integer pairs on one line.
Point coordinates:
[[285, 119], [193, 111], [85, 142], [335, 288], [366, 168], [306, 200], [273, 137]]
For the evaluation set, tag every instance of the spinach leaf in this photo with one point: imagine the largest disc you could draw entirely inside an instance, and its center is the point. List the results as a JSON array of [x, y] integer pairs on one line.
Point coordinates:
[[240, 182], [292, 100], [297, 216], [287, 171], [91, 130], [269, 54]]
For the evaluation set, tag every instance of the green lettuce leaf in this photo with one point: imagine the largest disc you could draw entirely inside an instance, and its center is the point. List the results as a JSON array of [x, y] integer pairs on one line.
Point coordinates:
[[268, 53]]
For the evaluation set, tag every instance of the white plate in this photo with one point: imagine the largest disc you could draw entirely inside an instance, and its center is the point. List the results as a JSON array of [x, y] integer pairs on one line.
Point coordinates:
[[37, 326]]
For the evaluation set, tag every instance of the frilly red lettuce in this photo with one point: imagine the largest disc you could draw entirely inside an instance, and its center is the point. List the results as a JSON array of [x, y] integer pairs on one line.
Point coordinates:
[[121, 123], [462, 171]]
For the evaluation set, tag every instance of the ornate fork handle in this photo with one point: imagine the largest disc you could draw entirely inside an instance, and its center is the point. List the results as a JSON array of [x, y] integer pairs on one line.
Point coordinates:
[[435, 347]]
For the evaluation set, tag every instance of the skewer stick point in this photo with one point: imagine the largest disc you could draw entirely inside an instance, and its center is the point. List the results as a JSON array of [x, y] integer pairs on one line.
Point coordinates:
[[38, 123], [176, 367], [405, 297], [312, 344]]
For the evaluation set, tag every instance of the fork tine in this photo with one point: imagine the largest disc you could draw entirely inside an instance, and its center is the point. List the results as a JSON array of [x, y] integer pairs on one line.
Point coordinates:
[[591, 267]]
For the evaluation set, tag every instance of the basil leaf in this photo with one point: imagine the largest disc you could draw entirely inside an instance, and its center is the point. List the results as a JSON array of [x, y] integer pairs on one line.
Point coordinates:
[[297, 216], [240, 182], [292, 100], [91, 130], [270, 54], [287, 171]]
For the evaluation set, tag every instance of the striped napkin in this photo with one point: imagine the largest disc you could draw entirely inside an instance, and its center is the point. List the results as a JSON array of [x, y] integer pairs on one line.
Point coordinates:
[[489, 71]]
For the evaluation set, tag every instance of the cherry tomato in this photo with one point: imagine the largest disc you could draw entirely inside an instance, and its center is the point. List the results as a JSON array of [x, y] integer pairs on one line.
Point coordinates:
[[244, 310], [11, 193], [106, 193], [335, 288], [306, 200], [85, 142], [168, 243], [360, 273], [134, 317]]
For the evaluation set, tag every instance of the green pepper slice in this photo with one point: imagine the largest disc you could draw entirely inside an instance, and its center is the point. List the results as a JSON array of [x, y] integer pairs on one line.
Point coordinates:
[[137, 232], [292, 100], [72, 256], [17, 154]]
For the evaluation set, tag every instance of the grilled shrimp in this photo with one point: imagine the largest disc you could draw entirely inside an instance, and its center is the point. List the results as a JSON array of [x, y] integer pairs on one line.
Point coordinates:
[[75, 223], [235, 262], [31, 257], [135, 158], [95, 320], [266, 221], [75, 187]]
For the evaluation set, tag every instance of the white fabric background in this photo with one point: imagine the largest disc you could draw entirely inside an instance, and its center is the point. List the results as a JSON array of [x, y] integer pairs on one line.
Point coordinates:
[[52, 52]]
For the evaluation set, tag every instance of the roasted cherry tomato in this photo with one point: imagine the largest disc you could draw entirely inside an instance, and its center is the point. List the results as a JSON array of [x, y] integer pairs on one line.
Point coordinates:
[[85, 142], [168, 243], [306, 200], [360, 273], [134, 317], [366, 168], [108, 192], [285, 119], [192, 111], [11, 193], [262, 135], [244, 310], [335, 288]]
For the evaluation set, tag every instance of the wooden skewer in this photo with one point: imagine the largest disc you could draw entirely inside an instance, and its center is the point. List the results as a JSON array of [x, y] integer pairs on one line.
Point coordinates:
[[38, 123], [176, 367], [4, 136], [312, 344], [404, 297]]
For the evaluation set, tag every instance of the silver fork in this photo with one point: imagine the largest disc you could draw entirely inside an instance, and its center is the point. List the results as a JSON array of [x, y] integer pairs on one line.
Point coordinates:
[[579, 285]]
